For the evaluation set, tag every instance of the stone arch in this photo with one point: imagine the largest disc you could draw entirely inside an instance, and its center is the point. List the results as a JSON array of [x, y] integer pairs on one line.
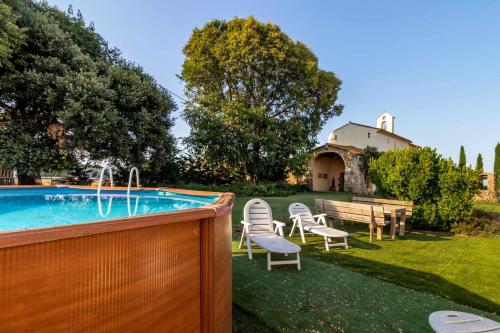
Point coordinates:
[[328, 171], [328, 159]]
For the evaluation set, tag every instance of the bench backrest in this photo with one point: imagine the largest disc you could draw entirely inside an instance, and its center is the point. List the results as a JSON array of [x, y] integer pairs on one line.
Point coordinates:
[[258, 213], [388, 204], [349, 211]]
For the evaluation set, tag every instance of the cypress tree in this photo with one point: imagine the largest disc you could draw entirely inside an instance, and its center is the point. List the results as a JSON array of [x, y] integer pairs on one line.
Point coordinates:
[[479, 163], [496, 167], [462, 160]]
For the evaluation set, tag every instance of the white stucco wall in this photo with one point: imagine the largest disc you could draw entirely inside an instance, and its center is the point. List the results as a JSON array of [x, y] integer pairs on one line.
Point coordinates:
[[357, 136], [388, 120]]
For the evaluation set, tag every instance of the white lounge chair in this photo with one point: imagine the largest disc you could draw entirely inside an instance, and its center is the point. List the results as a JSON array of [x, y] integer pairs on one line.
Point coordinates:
[[306, 222], [260, 228], [461, 322]]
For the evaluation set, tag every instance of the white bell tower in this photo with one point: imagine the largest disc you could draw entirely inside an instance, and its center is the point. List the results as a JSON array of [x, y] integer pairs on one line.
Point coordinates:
[[386, 122]]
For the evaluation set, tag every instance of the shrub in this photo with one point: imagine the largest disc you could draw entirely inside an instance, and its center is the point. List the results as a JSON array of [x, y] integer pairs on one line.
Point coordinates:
[[441, 191], [250, 189], [477, 226]]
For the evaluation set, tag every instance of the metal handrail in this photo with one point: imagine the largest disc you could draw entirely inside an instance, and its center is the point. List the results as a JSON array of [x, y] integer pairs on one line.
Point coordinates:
[[128, 190], [101, 178]]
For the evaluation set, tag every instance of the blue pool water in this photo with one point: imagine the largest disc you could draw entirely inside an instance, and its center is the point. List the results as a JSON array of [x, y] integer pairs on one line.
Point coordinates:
[[49, 207]]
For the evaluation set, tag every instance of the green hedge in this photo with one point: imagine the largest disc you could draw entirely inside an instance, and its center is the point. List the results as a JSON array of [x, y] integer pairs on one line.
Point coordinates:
[[441, 191], [249, 189]]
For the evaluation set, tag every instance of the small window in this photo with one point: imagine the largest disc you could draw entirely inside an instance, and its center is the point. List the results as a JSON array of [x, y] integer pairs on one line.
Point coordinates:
[[325, 176], [335, 137], [320, 175], [368, 135]]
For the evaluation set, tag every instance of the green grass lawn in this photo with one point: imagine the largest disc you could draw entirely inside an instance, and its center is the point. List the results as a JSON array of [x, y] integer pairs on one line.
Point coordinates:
[[400, 282]]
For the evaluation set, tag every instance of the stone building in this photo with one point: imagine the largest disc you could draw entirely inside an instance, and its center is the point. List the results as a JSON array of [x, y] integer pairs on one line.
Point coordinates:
[[337, 165]]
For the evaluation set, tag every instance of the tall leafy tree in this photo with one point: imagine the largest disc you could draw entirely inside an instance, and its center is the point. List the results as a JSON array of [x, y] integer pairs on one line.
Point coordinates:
[[462, 161], [256, 98], [479, 163], [66, 99], [11, 36], [496, 167]]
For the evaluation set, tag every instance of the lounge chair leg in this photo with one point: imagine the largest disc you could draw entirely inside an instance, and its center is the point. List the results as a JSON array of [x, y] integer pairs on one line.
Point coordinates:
[[293, 228], [302, 235], [298, 261], [249, 247], [241, 240], [268, 261], [326, 244], [345, 241]]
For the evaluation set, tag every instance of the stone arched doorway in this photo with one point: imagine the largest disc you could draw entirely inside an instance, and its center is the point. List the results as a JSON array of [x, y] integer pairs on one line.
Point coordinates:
[[328, 173], [333, 160]]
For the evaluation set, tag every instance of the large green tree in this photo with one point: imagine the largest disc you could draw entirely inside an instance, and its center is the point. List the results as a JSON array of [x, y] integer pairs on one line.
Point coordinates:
[[10, 34], [66, 98], [256, 99], [462, 161], [496, 167]]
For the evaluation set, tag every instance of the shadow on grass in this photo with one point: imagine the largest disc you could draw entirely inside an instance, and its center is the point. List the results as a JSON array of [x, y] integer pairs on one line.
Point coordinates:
[[402, 276], [328, 298], [245, 322]]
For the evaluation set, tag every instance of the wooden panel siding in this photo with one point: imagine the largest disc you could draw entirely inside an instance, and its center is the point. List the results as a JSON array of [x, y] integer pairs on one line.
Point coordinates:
[[168, 272]]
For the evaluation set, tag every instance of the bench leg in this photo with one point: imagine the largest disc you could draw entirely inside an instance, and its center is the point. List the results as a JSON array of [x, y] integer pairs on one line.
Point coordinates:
[[379, 231], [393, 224], [370, 227], [268, 261], [345, 241], [402, 226], [327, 244], [298, 261]]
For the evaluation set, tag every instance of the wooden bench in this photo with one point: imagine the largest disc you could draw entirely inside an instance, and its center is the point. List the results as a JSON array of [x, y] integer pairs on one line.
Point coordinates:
[[399, 211], [354, 212]]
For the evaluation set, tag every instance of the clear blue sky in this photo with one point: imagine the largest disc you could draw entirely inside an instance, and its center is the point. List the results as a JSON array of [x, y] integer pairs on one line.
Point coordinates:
[[435, 65]]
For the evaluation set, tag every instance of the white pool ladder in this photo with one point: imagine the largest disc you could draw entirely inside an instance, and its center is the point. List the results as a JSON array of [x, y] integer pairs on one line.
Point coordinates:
[[128, 190], [101, 179]]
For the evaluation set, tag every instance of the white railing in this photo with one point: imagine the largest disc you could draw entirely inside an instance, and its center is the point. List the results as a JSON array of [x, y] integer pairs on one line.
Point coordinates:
[[101, 179], [128, 190]]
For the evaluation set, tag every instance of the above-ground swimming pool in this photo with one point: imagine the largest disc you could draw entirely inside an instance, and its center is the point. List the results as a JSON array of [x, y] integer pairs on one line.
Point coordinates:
[[157, 260], [31, 208]]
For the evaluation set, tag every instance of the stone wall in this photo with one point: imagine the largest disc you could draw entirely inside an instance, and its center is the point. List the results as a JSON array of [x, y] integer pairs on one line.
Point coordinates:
[[354, 180]]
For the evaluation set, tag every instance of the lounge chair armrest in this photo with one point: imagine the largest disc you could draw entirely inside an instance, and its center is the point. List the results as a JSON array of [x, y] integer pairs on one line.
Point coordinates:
[[321, 219], [294, 216], [281, 224], [279, 228], [246, 224]]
